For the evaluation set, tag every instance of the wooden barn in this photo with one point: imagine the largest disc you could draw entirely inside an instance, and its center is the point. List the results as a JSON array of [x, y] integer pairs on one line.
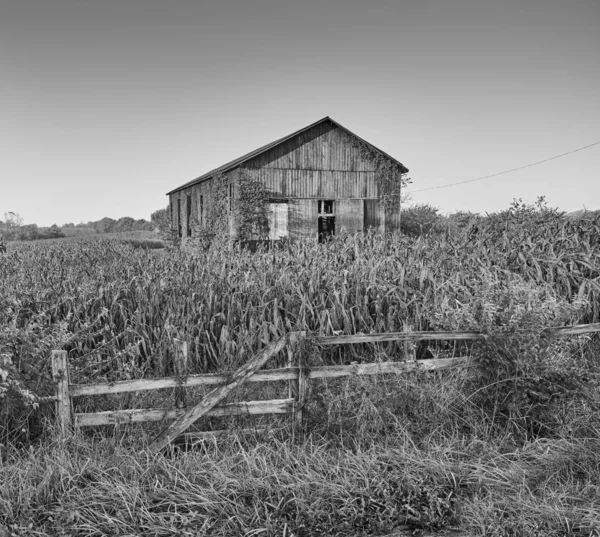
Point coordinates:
[[319, 181]]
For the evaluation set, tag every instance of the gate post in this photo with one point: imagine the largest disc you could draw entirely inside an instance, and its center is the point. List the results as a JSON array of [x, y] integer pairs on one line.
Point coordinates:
[[180, 369], [302, 394], [60, 374]]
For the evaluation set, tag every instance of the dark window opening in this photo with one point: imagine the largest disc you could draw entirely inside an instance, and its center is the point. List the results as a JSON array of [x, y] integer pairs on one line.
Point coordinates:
[[179, 217], [325, 206], [188, 207], [230, 197], [201, 210], [326, 227]]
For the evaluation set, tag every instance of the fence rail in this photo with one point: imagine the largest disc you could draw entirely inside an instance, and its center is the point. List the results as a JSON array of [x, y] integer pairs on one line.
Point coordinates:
[[298, 376]]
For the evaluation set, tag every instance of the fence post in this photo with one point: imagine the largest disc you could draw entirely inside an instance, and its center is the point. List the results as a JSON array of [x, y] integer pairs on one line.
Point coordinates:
[[302, 391], [180, 368], [60, 374], [290, 364], [410, 349]]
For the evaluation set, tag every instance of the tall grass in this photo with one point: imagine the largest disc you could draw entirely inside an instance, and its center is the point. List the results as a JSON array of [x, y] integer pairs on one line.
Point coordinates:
[[506, 448]]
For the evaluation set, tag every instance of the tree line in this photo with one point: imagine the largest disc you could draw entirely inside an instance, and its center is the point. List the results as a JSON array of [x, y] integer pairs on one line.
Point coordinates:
[[13, 228]]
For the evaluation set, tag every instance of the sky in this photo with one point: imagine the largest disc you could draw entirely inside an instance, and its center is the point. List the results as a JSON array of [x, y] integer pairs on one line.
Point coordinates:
[[107, 105]]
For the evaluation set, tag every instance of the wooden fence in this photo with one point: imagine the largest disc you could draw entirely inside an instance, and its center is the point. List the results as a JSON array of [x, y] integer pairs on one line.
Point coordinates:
[[298, 376]]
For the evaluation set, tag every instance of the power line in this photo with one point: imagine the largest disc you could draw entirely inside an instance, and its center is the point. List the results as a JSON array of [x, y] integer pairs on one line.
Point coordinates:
[[507, 171]]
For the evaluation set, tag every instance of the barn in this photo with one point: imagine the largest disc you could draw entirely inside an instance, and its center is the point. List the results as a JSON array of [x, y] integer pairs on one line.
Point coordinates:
[[319, 181]]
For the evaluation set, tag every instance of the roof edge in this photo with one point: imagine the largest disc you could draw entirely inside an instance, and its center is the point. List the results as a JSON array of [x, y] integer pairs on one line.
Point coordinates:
[[236, 163]]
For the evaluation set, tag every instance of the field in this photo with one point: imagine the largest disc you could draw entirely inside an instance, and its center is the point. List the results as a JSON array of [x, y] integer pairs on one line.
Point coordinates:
[[509, 446]]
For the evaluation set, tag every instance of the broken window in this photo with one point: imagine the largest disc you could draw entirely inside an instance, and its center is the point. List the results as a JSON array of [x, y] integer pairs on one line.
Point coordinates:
[[326, 223], [179, 217], [188, 207], [325, 206]]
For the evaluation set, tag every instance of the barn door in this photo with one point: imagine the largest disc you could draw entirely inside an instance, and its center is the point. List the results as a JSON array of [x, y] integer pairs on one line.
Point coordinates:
[[372, 215], [278, 221], [350, 216]]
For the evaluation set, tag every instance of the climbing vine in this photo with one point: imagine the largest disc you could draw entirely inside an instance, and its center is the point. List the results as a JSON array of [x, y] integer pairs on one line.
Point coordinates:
[[215, 221], [389, 175], [251, 208]]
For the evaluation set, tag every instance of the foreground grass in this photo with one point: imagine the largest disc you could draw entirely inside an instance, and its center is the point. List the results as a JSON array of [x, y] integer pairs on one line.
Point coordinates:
[[312, 487]]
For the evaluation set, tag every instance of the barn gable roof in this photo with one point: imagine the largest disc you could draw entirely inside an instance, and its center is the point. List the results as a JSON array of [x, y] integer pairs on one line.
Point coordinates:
[[245, 158]]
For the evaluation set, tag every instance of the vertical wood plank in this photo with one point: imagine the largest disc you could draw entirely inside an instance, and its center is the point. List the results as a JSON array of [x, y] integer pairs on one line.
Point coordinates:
[[302, 391], [180, 370], [290, 363], [350, 216], [60, 374], [410, 349]]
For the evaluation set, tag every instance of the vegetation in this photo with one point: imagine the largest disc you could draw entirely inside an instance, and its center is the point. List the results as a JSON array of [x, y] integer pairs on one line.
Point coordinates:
[[508, 447], [251, 205], [13, 228], [109, 225]]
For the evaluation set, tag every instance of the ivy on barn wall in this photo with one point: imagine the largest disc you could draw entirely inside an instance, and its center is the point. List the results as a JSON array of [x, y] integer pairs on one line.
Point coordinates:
[[215, 218], [389, 175], [251, 208]]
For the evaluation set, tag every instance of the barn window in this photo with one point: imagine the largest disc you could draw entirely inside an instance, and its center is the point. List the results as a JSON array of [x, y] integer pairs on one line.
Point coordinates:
[[201, 210], [326, 224], [179, 217], [325, 206], [230, 197], [278, 220], [188, 211]]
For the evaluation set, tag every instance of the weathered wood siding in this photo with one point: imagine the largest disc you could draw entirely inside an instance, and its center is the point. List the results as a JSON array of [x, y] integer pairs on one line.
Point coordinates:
[[324, 147], [373, 215], [320, 163], [318, 184], [349, 216], [303, 219], [200, 212]]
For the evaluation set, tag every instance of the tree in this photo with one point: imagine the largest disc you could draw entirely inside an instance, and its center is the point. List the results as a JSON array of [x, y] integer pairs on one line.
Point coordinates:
[[161, 220], [11, 225], [420, 219]]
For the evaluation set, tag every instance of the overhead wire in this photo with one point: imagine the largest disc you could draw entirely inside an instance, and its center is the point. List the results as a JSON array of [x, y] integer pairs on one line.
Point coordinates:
[[506, 171]]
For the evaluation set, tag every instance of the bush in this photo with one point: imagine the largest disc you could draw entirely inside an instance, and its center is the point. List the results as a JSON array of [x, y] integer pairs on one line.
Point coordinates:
[[419, 220], [524, 375]]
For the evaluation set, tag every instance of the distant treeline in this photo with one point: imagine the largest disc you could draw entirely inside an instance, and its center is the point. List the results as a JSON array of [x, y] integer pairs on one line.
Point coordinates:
[[13, 228], [108, 225]]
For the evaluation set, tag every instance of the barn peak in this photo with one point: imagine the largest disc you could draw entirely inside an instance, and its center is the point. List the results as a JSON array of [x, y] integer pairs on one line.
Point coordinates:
[[263, 149]]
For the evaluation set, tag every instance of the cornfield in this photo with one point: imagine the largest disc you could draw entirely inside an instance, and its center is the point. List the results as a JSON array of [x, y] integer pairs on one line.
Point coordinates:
[[506, 448], [116, 308]]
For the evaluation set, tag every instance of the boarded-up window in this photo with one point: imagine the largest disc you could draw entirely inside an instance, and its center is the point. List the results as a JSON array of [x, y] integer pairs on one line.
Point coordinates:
[[188, 211], [278, 221], [179, 217]]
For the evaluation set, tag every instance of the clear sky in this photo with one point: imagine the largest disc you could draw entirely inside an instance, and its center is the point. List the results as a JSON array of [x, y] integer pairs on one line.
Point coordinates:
[[107, 105]]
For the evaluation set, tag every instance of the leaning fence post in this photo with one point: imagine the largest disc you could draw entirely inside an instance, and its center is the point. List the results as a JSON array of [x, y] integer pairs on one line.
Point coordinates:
[[60, 374], [180, 368]]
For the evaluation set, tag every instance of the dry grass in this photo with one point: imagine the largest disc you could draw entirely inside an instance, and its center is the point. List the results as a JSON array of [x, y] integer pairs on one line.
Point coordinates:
[[315, 487], [511, 450]]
